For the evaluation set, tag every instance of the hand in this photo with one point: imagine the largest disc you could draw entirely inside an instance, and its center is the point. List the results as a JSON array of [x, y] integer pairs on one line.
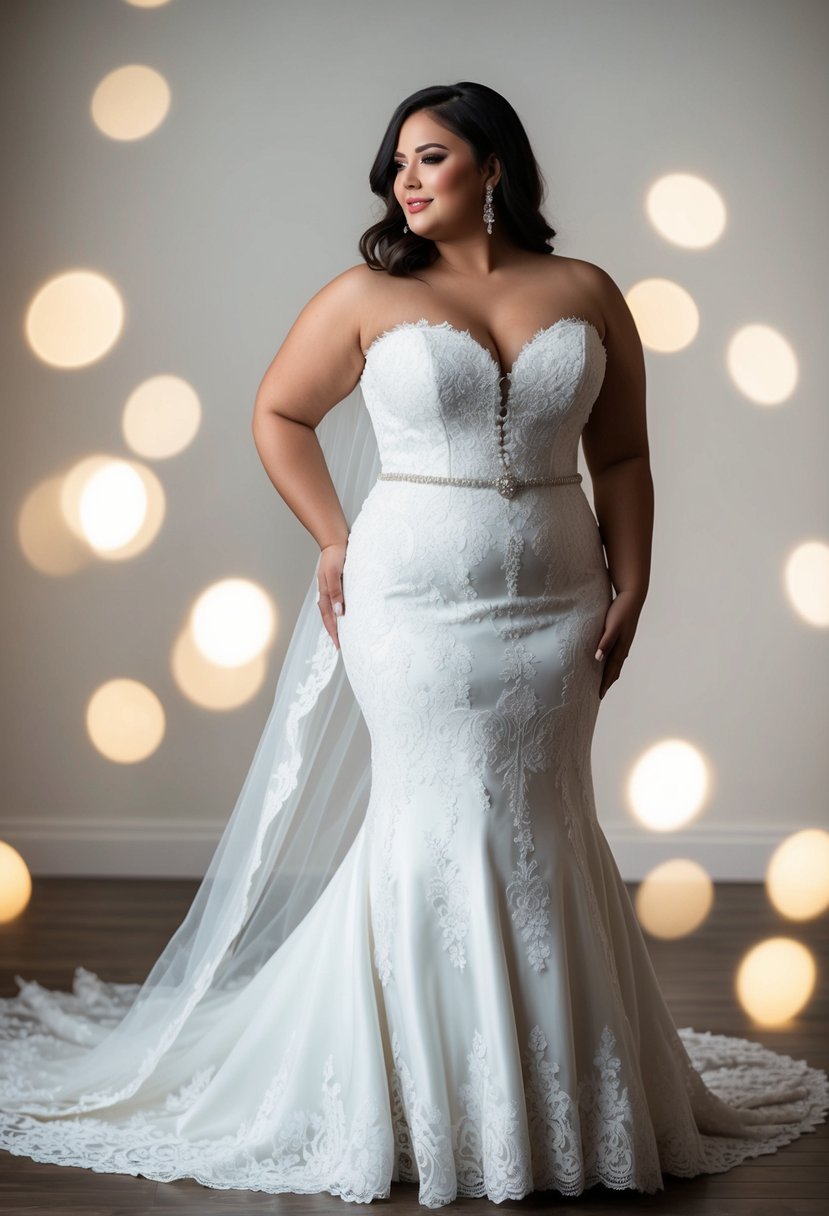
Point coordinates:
[[617, 637], [330, 580]]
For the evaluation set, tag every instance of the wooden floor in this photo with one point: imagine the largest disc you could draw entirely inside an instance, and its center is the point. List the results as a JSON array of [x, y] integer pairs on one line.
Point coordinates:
[[117, 929]]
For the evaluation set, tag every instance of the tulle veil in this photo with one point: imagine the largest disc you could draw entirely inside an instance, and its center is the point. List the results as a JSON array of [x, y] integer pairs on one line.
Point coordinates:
[[299, 810]]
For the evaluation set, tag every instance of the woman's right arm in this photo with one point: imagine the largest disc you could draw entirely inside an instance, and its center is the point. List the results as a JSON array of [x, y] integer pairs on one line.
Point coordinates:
[[317, 366]]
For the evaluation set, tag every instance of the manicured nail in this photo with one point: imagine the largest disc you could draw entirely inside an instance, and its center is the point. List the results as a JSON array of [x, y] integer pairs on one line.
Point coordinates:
[[599, 655]]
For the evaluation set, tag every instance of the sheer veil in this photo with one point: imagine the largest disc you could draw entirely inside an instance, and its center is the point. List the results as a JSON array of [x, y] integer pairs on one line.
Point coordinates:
[[298, 813]]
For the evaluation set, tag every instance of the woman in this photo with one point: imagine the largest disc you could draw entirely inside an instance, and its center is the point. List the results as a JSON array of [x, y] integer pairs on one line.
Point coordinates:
[[416, 960]]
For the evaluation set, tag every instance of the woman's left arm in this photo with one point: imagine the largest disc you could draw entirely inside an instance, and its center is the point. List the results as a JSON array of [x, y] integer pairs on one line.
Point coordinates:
[[615, 445]]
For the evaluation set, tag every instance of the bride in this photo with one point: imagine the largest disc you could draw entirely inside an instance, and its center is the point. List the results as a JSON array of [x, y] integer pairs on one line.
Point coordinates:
[[413, 958]]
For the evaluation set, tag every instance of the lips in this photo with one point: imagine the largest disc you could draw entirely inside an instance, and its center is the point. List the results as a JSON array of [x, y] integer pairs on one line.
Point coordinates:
[[418, 204]]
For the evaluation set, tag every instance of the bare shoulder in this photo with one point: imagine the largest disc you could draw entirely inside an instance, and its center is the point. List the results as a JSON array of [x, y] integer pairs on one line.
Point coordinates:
[[368, 294], [609, 302], [320, 360], [346, 290]]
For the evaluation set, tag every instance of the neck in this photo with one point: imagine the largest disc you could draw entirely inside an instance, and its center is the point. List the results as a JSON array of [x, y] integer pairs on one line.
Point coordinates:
[[476, 257]]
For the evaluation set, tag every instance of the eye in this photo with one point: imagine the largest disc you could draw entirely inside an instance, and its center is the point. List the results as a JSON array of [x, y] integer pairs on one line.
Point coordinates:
[[399, 164]]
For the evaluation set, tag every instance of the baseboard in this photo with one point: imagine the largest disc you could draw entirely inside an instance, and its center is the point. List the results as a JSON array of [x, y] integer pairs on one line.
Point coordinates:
[[145, 848]]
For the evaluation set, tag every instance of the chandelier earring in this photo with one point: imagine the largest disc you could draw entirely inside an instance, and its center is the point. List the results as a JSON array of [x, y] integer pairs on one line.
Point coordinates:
[[489, 214]]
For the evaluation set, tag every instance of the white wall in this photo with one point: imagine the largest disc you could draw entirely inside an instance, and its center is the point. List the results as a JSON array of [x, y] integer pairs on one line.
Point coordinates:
[[218, 228]]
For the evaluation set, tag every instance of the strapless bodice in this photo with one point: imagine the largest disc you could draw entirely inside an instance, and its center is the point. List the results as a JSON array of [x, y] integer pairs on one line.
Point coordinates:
[[435, 397]]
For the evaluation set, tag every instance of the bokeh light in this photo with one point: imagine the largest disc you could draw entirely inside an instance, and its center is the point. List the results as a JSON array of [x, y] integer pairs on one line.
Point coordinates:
[[49, 545], [74, 319], [104, 507], [775, 980], [665, 314], [807, 582], [797, 876], [674, 898], [161, 417], [232, 622], [210, 686], [668, 785], [686, 210], [130, 102], [15, 883], [125, 720], [112, 505], [762, 364]]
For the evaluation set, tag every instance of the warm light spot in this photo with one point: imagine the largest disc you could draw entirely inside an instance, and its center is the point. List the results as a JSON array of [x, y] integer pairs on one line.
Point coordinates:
[[74, 319], [46, 540], [102, 505], [775, 980], [762, 364], [665, 314], [74, 484], [130, 102], [807, 582], [147, 3], [686, 210], [232, 622], [15, 883], [125, 720], [674, 898], [112, 506], [797, 877], [212, 687], [668, 785], [161, 417]]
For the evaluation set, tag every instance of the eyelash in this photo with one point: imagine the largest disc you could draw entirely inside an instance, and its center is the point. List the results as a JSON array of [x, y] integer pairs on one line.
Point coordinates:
[[399, 165]]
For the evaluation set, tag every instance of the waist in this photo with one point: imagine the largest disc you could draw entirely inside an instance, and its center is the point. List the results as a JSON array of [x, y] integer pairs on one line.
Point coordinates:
[[507, 484]]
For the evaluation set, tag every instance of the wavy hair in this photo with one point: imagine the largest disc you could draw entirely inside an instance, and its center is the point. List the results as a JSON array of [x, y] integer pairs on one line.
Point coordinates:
[[488, 123]]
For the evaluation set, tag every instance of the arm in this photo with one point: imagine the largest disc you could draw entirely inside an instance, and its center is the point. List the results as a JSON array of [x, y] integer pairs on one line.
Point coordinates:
[[615, 445], [316, 367]]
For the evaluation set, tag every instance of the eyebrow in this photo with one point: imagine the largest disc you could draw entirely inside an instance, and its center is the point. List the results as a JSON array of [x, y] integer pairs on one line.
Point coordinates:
[[423, 147]]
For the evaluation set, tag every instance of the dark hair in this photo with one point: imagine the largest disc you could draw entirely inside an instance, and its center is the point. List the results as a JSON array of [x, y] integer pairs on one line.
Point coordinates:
[[489, 124]]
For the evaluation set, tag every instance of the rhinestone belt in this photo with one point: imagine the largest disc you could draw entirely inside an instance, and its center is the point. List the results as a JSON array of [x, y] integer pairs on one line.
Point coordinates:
[[506, 484]]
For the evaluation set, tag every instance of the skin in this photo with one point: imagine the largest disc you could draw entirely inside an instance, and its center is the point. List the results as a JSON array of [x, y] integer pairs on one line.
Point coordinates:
[[500, 293]]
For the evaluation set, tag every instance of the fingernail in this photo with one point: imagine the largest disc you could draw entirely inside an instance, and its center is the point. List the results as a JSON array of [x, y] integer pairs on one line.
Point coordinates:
[[338, 608], [599, 654]]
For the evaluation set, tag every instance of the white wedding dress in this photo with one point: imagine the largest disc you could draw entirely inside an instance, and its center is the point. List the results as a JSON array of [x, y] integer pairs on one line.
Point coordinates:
[[469, 1004]]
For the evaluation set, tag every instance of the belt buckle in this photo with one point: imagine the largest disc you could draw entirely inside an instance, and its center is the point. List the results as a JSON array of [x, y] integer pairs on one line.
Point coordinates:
[[506, 485]]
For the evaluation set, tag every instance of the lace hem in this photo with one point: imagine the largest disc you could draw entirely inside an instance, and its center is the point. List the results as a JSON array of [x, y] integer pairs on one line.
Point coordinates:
[[746, 1099]]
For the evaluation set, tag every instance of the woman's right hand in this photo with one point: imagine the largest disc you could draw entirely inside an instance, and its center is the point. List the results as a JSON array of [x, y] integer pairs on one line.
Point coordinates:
[[330, 582]]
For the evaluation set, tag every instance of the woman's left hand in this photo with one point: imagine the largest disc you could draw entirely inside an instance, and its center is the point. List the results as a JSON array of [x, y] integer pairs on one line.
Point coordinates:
[[617, 638]]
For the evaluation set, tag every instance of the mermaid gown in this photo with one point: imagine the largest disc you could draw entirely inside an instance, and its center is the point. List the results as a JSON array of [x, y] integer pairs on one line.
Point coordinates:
[[469, 1005]]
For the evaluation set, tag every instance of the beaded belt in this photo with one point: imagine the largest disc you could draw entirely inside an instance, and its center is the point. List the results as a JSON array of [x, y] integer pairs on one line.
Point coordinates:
[[506, 484]]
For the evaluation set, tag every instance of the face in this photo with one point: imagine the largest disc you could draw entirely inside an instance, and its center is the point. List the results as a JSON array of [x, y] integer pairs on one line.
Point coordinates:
[[434, 163]]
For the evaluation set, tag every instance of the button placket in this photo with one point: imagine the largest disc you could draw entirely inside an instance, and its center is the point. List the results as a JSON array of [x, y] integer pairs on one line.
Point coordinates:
[[506, 483]]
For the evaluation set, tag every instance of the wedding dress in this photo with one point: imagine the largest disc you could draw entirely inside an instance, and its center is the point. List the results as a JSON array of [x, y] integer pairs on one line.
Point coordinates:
[[460, 994]]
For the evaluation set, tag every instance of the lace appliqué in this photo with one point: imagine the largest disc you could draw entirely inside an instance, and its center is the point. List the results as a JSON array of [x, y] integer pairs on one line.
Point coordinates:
[[517, 743], [302, 1152], [492, 1147]]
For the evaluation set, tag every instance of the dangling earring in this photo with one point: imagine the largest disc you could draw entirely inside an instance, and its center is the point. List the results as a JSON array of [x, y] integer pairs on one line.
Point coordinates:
[[405, 227], [489, 214]]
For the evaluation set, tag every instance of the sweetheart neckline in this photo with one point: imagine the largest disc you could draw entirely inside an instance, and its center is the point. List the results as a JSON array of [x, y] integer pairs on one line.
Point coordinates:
[[424, 323]]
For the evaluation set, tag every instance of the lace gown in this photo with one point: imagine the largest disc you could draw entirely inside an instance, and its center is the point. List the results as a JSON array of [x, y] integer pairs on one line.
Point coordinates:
[[478, 1009]]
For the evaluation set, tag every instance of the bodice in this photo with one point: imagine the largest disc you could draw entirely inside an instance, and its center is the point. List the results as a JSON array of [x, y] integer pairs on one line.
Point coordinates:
[[437, 405]]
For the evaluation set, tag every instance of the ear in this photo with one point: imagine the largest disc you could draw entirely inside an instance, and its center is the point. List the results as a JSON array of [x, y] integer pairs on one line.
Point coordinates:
[[493, 169]]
